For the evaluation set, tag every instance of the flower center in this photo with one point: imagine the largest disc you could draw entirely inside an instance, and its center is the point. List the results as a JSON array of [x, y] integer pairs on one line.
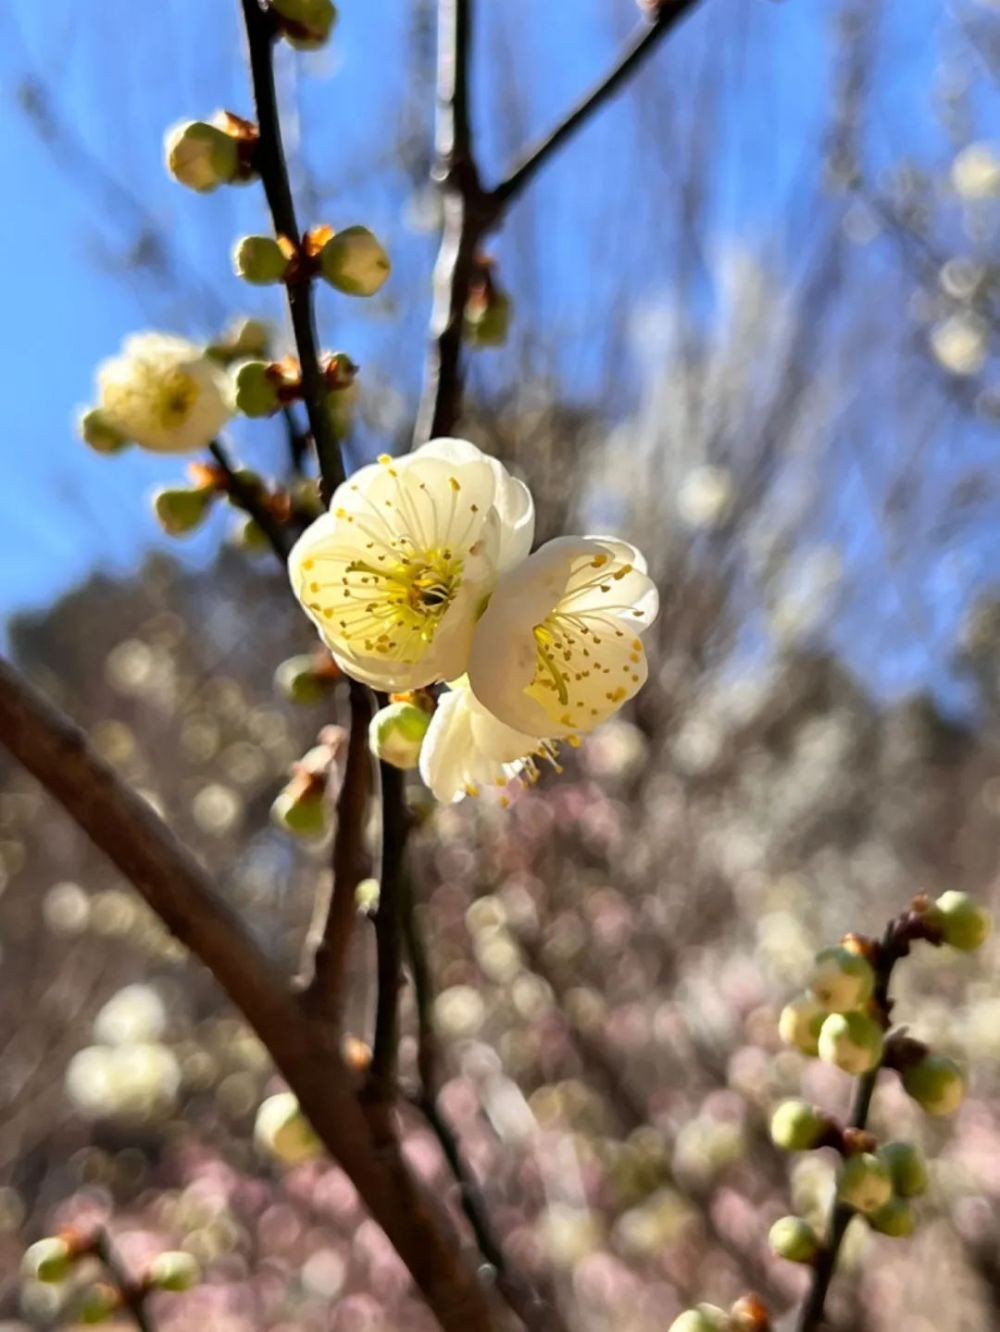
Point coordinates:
[[392, 604], [175, 395]]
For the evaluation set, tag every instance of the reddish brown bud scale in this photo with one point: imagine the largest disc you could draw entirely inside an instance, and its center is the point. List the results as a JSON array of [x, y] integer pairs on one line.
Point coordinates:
[[750, 1314]]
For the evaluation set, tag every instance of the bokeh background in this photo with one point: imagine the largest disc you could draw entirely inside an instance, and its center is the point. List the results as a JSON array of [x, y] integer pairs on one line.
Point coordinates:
[[755, 330]]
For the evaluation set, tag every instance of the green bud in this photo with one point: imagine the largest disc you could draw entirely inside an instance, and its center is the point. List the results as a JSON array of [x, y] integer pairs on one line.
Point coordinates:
[[487, 323], [396, 733], [706, 1318], [49, 1259], [182, 509], [174, 1271], [282, 1131], [366, 896], [308, 23], [201, 156], [98, 1302], [96, 429], [800, 1023], [864, 1183], [301, 815], [340, 405], [895, 1218], [936, 1083], [852, 1041], [792, 1238], [249, 536], [964, 923], [354, 262], [296, 680], [907, 1167], [260, 260], [256, 393], [842, 979], [797, 1126]]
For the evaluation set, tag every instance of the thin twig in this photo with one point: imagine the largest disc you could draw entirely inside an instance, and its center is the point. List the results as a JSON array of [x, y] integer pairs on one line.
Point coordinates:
[[388, 934], [468, 213], [269, 160], [894, 946], [250, 499], [636, 50], [325, 990], [133, 1294]]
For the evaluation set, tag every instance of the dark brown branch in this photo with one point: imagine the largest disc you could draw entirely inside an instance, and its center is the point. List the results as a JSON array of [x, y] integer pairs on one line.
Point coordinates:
[[637, 49], [388, 933], [269, 160], [132, 1293], [248, 497], [178, 889], [467, 215], [324, 992]]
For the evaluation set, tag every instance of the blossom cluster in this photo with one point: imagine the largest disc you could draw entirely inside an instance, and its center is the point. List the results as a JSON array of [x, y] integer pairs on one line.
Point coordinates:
[[420, 574]]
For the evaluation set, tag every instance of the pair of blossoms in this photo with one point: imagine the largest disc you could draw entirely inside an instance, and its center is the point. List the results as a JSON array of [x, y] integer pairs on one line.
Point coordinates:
[[421, 575]]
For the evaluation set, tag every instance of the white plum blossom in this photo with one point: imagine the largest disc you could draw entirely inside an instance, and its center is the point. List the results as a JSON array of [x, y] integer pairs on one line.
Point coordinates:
[[164, 393], [557, 650], [396, 573], [466, 749]]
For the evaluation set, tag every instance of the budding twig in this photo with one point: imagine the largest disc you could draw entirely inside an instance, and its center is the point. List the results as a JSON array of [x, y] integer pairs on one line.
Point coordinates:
[[269, 160], [248, 497], [132, 1293]]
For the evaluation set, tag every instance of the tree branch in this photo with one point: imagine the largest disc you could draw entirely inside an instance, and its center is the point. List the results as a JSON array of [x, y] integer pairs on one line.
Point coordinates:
[[468, 213], [174, 884], [324, 991], [269, 160], [388, 927], [636, 50], [248, 497], [133, 1295]]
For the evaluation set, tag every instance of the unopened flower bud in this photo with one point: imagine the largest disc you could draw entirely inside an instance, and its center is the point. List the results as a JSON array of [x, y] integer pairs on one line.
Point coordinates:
[[907, 1167], [963, 923], [749, 1314], [794, 1239], [182, 509], [256, 391], [174, 1270], [260, 260], [800, 1023], [303, 814], [201, 156], [306, 24], [98, 1302], [49, 1259], [852, 1041], [797, 1126], [95, 428], [299, 682], [354, 262], [248, 536], [282, 1130], [396, 733], [842, 979], [706, 1318], [895, 1218], [936, 1083], [864, 1183], [487, 318]]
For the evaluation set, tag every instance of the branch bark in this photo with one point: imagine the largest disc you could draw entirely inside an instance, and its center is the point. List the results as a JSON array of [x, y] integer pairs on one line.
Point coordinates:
[[306, 1050], [324, 992]]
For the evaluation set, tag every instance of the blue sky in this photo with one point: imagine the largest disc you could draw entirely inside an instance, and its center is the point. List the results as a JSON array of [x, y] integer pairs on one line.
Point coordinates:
[[118, 74]]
